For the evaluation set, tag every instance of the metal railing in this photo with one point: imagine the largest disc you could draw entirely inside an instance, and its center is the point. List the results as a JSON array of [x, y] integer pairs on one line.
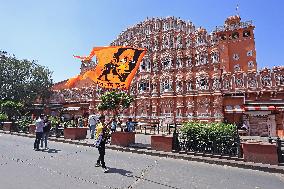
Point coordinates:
[[225, 145]]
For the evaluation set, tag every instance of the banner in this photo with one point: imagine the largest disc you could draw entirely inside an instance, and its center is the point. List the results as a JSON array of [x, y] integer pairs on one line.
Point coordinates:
[[72, 81], [116, 66]]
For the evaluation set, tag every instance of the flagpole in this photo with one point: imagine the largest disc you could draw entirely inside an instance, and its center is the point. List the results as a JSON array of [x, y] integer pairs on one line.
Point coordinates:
[[237, 10]]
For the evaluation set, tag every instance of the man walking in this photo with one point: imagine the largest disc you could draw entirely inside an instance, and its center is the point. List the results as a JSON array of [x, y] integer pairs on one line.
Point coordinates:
[[39, 131]]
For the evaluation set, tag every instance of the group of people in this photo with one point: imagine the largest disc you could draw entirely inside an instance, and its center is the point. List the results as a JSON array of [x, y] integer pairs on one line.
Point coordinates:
[[114, 124], [43, 126], [100, 130]]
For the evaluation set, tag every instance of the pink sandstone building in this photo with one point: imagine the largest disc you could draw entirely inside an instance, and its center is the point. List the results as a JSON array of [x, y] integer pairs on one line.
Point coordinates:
[[191, 74]]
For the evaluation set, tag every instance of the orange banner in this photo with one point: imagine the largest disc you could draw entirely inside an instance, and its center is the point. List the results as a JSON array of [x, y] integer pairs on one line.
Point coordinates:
[[116, 66], [72, 81]]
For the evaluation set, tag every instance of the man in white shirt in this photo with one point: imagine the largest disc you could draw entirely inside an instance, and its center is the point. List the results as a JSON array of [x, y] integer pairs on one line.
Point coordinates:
[[93, 120], [39, 131]]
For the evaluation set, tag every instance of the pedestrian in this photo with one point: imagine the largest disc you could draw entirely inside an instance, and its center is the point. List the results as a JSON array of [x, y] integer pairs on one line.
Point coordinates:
[[80, 122], [113, 125], [119, 124], [39, 131], [92, 122], [244, 126], [101, 142], [46, 130], [129, 125]]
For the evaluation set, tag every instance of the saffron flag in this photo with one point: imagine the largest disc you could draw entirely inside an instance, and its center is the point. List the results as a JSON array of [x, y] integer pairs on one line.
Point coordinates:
[[116, 66], [72, 81]]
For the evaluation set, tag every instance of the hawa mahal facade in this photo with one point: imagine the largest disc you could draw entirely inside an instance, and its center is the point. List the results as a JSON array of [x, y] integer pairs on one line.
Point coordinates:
[[190, 74]]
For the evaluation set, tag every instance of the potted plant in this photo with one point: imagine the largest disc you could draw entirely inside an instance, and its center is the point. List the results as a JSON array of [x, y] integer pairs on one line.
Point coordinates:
[[74, 133], [3, 118], [56, 126], [11, 109], [116, 102], [23, 123]]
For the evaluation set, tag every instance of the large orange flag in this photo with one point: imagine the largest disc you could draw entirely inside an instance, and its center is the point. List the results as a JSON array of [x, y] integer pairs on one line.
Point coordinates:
[[116, 66]]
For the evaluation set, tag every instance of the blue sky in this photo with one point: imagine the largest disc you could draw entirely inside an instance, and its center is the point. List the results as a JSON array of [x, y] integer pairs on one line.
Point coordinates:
[[52, 31]]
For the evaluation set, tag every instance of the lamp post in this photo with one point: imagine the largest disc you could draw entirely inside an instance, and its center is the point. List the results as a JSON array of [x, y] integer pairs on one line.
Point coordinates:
[[175, 142]]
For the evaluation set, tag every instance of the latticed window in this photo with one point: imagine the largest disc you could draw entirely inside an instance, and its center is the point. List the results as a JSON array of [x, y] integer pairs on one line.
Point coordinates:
[[145, 65], [143, 86], [189, 86], [215, 57], [200, 40], [166, 85], [165, 26], [166, 63], [188, 42], [179, 63], [202, 83], [246, 33]]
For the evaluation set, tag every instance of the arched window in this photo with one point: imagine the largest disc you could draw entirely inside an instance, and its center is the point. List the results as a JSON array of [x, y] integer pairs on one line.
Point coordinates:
[[179, 63], [246, 33], [188, 42], [250, 64], [179, 86], [200, 40], [157, 25], [143, 86], [166, 63], [166, 85], [145, 65], [215, 57], [189, 85], [223, 37], [189, 62], [235, 35], [165, 42], [165, 26], [179, 42], [202, 83]]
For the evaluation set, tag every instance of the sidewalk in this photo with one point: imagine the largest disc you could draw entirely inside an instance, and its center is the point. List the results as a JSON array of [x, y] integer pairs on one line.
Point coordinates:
[[142, 146]]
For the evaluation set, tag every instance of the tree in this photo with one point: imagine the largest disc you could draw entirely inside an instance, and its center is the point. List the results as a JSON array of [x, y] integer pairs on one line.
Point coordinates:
[[115, 102], [23, 80]]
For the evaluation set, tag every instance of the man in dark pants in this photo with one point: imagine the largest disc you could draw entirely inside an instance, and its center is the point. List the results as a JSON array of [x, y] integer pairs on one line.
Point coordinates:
[[101, 142], [39, 131]]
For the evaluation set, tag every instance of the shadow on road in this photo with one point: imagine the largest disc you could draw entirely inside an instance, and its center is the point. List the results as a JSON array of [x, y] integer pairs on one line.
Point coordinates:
[[119, 171], [51, 150]]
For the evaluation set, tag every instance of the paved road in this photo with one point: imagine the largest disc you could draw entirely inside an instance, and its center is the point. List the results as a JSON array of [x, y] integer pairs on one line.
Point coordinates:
[[70, 166]]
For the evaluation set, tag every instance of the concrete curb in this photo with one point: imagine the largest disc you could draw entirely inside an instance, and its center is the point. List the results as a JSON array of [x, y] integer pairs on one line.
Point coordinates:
[[198, 157]]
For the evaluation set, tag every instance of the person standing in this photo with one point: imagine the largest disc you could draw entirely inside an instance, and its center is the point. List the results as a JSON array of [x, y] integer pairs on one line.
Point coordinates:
[[80, 122], [101, 142], [92, 123], [113, 125], [39, 131], [46, 130], [129, 125]]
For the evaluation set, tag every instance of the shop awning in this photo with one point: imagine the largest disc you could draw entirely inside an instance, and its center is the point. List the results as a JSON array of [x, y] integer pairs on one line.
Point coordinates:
[[259, 108], [234, 109], [71, 108]]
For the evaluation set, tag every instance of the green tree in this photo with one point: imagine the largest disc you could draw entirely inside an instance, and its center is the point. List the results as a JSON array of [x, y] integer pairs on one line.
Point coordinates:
[[23, 80], [115, 102]]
